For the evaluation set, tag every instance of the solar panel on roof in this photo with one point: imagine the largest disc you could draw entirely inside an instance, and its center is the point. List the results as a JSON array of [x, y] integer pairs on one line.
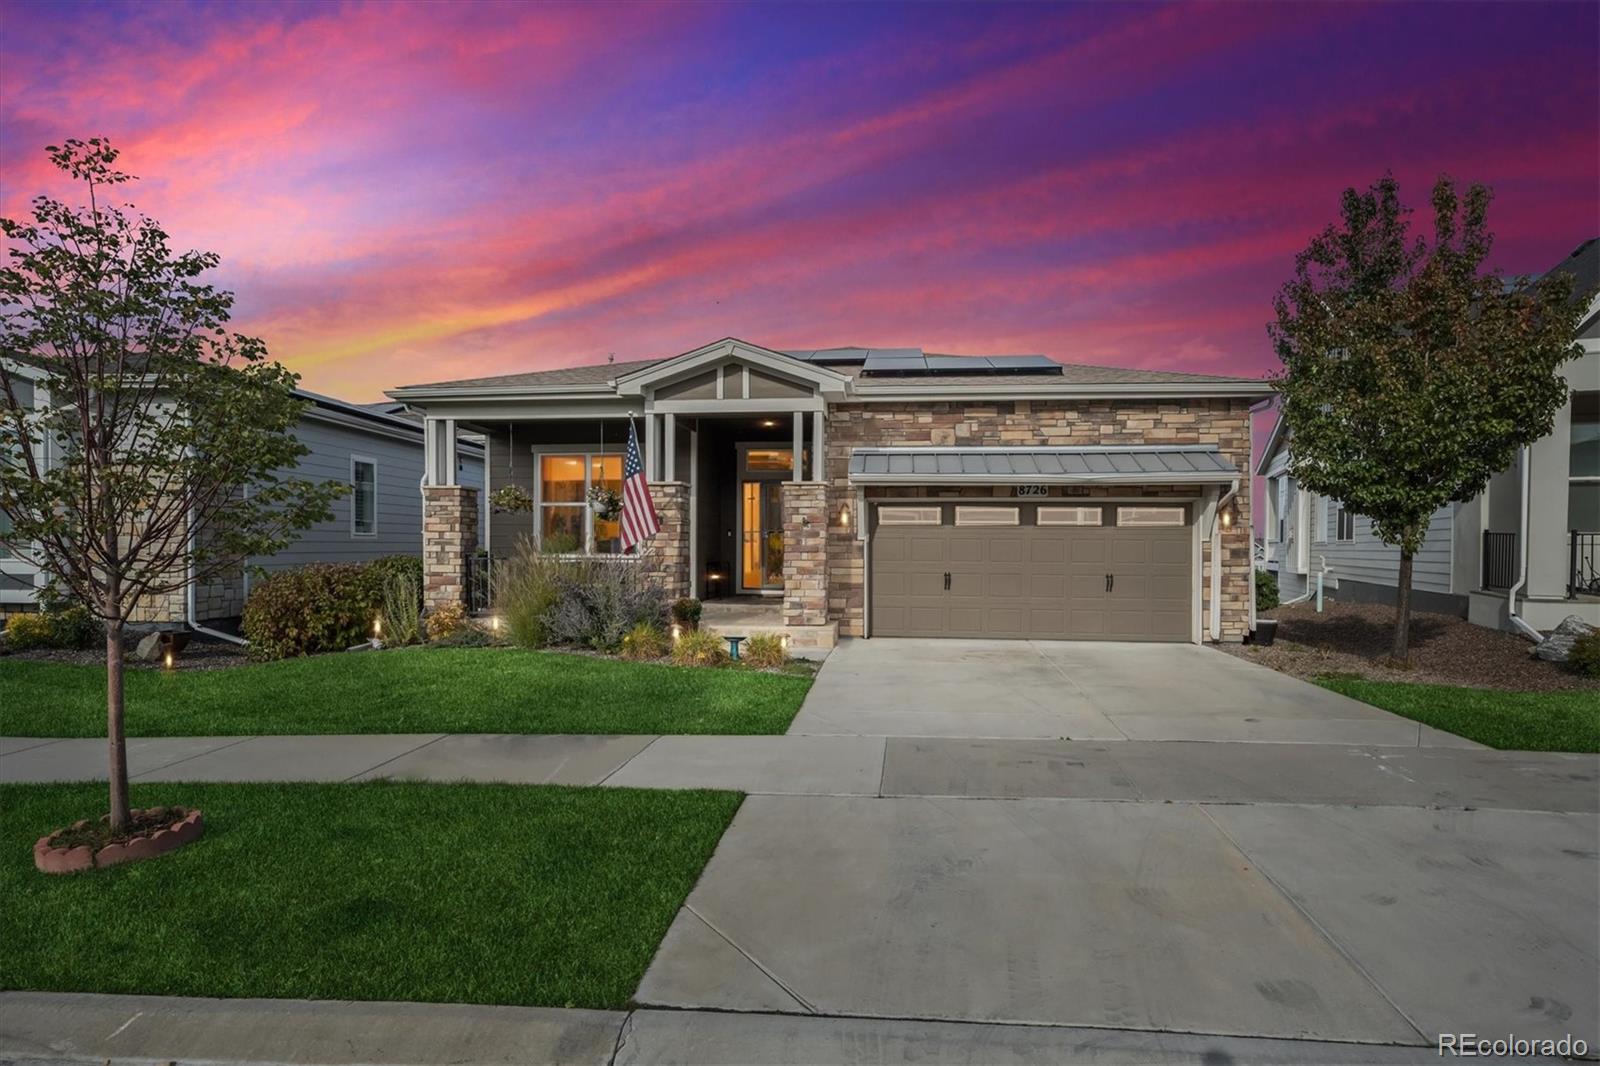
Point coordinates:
[[1024, 364], [895, 361], [839, 356], [958, 364]]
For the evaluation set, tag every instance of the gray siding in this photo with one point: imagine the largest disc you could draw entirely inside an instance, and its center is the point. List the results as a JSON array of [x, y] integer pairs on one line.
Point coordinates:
[[399, 494], [1367, 559]]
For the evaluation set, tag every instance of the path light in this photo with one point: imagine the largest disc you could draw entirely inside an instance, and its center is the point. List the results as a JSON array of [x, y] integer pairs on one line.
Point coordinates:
[[377, 627], [677, 631], [494, 623], [166, 659]]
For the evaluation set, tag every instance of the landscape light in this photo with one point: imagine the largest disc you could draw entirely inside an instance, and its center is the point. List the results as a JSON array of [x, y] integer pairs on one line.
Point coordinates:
[[166, 659]]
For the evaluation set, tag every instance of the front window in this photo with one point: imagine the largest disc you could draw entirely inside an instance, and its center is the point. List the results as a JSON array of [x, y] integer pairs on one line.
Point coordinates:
[[363, 497], [579, 499], [1347, 525], [1583, 473]]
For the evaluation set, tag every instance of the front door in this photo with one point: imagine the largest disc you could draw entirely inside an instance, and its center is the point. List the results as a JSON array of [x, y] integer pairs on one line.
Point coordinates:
[[761, 531]]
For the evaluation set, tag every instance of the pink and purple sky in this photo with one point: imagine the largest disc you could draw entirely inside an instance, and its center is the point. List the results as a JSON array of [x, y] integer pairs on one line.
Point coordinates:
[[410, 192]]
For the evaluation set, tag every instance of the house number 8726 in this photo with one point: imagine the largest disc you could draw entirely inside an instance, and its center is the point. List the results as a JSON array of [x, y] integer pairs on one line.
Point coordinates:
[[1033, 490]]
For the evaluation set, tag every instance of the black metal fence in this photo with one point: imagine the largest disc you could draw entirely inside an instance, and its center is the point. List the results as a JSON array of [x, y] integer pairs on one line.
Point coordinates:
[[1583, 568], [479, 582], [1499, 560]]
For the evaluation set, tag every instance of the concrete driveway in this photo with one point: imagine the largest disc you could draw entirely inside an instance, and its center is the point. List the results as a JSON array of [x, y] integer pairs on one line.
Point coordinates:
[[1083, 691]]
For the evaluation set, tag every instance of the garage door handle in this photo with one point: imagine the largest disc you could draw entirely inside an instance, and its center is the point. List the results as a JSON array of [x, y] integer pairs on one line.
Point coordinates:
[[947, 581]]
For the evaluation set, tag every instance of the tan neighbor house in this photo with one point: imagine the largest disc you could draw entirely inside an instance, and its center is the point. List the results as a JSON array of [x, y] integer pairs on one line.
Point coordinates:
[[878, 492]]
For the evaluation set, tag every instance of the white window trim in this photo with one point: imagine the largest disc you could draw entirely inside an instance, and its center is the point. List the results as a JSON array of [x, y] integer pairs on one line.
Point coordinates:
[[910, 516], [1155, 516], [354, 461], [1338, 525], [589, 454], [988, 516], [1071, 516]]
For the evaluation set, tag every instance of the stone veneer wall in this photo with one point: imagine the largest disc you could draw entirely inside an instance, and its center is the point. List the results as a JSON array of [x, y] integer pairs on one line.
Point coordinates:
[[1224, 423], [667, 552], [805, 553], [449, 535]]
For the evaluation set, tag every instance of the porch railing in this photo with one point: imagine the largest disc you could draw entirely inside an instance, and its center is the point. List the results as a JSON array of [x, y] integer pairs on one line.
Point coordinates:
[[1499, 560], [1583, 569], [480, 582]]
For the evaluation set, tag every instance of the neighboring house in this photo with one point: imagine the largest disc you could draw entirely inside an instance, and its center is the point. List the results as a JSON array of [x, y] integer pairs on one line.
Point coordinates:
[[1472, 558], [878, 492], [379, 454]]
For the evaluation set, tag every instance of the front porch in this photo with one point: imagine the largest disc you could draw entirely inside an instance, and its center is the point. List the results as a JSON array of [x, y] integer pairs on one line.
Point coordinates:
[[740, 499]]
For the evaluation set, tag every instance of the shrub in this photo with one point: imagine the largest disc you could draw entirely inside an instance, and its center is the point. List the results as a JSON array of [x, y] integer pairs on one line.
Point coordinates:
[[686, 612], [445, 620], [323, 607], [597, 601], [402, 610], [700, 647], [468, 635], [647, 640], [1584, 658], [1266, 590], [65, 627], [765, 651]]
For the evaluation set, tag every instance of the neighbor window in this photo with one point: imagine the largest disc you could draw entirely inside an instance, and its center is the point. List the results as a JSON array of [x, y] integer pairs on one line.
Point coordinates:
[[363, 497], [1346, 523], [1151, 516], [1319, 519], [909, 516], [571, 519], [1069, 516], [988, 516], [23, 390]]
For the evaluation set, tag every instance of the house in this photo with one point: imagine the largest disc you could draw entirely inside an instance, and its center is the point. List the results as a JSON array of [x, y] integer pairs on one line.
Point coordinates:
[[378, 453], [1544, 508], [877, 491]]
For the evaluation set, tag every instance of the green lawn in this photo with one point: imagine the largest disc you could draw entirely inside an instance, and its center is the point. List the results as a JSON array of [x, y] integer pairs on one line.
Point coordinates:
[[533, 895], [422, 690], [1517, 721]]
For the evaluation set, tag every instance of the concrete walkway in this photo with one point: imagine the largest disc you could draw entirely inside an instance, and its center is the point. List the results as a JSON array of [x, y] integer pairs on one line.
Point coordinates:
[[1139, 771], [55, 1028]]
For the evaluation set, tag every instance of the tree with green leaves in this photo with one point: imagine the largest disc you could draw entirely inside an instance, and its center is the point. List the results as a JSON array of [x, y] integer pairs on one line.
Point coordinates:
[[142, 444], [1410, 374]]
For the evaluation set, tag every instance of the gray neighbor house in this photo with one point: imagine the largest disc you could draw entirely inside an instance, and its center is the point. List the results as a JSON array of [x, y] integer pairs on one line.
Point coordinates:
[[374, 448], [1525, 552]]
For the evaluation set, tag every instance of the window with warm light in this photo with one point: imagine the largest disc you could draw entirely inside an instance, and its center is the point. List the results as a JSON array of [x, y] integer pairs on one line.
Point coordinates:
[[761, 460], [570, 519]]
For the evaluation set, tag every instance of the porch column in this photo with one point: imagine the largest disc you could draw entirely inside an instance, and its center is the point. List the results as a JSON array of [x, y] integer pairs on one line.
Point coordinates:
[[805, 555], [819, 454], [449, 535], [650, 446], [669, 445], [799, 420], [667, 553]]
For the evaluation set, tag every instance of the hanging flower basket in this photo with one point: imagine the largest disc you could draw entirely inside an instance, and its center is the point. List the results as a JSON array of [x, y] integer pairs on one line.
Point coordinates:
[[510, 500], [607, 503]]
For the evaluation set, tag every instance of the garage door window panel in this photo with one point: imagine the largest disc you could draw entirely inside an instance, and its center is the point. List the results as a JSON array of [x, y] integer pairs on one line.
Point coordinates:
[[909, 516], [988, 516], [1070, 516], [1149, 516]]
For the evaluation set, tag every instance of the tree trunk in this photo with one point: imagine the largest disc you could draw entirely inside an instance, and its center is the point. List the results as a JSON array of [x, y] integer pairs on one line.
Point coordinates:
[[1402, 609], [119, 744]]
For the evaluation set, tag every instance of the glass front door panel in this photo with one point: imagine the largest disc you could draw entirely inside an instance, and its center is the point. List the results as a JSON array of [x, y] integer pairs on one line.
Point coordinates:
[[761, 521]]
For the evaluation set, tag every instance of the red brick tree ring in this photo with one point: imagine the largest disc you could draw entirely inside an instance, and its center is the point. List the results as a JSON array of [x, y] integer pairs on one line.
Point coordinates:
[[158, 830]]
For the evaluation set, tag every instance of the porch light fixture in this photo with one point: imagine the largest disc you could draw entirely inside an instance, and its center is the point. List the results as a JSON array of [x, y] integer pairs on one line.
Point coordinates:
[[769, 423], [844, 516], [1230, 513]]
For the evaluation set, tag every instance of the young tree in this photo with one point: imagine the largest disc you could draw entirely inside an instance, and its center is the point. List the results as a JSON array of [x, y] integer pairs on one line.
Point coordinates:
[[1409, 376], [130, 480]]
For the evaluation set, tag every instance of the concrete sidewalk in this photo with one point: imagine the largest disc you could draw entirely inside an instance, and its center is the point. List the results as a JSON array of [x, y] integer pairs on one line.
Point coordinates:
[[40, 1027], [1144, 771]]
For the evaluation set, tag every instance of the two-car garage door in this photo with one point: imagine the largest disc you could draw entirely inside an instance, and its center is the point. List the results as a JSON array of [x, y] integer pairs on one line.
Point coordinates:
[[1045, 571]]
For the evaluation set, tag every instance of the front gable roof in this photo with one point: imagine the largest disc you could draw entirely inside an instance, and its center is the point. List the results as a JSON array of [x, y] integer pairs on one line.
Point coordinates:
[[728, 349]]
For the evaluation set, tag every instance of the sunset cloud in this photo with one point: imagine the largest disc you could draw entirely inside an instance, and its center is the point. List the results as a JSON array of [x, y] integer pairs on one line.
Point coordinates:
[[411, 192]]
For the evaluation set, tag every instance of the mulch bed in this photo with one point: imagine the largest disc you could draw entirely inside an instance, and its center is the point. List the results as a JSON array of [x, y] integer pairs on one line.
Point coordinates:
[[1353, 639], [202, 653]]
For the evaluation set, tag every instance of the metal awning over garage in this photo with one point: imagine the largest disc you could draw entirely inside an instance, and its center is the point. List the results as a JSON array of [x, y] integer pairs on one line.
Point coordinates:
[[1040, 466]]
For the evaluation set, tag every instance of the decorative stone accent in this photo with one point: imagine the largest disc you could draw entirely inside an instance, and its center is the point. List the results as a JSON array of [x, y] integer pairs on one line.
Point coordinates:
[[1224, 423], [449, 535], [667, 553], [185, 827], [1557, 647], [805, 553]]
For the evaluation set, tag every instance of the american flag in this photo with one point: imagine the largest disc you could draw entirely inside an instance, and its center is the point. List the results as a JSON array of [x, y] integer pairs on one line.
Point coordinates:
[[639, 520]]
